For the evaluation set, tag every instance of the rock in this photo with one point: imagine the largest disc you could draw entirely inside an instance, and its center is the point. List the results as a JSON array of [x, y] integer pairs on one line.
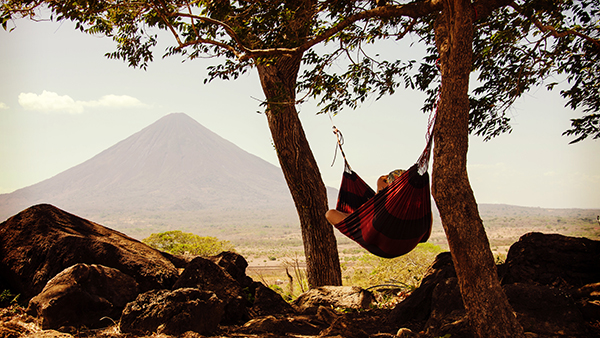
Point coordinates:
[[82, 295], [49, 334], [326, 314], [179, 261], [173, 312], [589, 291], [534, 263], [13, 329], [587, 299], [15, 322], [348, 297], [553, 260], [417, 306], [203, 274], [448, 315], [406, 333], [279, 326], [545, 310], [270, 324], [235, 265], [343, 328], [541, 310], [268, 302], [43, 240], [8, 332]]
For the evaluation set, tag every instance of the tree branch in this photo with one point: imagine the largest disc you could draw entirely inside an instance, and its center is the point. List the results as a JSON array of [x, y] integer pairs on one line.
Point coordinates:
[[551, 30], [165, 19], [240, 56], [225, 26], [414, 9]]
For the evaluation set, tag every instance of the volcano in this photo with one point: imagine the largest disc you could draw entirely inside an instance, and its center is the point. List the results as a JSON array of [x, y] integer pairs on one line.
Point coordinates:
[[175, 164]]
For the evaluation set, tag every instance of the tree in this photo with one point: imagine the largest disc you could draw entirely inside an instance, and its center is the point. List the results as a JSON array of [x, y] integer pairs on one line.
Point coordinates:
[[499, 39], [512, 50], [185, 243]]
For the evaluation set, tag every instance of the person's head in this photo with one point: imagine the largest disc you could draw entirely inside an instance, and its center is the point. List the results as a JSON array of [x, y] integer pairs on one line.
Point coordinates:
[[394, 174]]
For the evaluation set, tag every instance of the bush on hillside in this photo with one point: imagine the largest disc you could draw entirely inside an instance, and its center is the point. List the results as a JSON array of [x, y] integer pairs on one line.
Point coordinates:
[[185, 243]]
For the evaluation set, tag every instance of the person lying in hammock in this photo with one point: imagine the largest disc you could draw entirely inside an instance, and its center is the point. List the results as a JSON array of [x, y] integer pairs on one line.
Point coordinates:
[[334, 216]]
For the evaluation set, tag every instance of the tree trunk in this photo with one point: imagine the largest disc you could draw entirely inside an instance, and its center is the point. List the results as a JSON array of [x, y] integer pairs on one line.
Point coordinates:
[[278, 78], [487, 307]]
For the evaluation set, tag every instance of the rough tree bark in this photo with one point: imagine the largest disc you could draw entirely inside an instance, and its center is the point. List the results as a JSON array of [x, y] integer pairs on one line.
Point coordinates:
[[278, 78], [488, 309]]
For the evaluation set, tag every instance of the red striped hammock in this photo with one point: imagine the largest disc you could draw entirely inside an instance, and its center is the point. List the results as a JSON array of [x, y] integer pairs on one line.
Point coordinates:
[[392, 222]]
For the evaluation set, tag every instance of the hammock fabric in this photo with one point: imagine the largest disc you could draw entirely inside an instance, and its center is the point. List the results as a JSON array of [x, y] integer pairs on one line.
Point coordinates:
[[392, 222]]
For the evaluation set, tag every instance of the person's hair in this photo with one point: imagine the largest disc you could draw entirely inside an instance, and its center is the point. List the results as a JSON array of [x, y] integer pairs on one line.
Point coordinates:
[[394, 174]]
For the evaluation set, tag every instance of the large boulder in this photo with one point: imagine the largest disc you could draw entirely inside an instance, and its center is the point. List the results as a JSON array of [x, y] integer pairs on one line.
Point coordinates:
[[173, 312], [416, 308], [203, 274], [268, 302], [587, 299], [16, 323], [83, 295], [277, 326], [541, 310], [553, 260], [448, 315], [341, 327], [235, 265], [43, 240], [347, 297], [546, 310], [551, 282]]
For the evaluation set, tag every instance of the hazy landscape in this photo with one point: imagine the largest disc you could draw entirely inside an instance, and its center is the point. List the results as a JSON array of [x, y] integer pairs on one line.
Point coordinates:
[[177, 175]]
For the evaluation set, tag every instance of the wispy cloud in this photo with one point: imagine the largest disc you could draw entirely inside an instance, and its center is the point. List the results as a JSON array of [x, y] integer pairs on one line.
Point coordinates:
[[50, 102], [3, 106]]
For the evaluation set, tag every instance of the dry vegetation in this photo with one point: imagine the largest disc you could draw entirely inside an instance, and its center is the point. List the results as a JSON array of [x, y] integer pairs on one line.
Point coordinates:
[[270, 253], [271, 240]]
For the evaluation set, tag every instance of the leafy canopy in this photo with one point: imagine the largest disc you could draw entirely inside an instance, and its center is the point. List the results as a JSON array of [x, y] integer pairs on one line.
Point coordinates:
[[518, 45]]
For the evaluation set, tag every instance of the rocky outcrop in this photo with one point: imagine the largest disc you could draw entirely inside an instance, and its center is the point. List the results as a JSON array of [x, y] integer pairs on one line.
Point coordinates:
[[43, 240], [587, 299], [553, 260], [448, 314], [348, 297], [417, 307], [203, 274], [551, 282], [277, 326], [235, 265], [173, 312], [546, 310], [83, 295], [268, 302]]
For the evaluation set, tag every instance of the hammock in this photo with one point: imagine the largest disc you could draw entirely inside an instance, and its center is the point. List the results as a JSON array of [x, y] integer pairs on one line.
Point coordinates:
[[392, 222]]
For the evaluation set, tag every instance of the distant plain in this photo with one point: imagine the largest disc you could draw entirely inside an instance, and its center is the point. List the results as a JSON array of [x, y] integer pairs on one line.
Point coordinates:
[[271, 240]]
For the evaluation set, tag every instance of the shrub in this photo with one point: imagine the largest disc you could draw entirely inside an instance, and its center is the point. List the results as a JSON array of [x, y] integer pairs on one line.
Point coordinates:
[[406, 270], [7, 298], [184, 243]]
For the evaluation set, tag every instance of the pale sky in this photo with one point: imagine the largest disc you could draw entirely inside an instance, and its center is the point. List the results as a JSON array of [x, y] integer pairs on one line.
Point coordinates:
[[62, 102]]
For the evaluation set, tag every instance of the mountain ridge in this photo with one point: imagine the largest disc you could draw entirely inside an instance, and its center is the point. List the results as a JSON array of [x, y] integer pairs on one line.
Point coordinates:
[[173, 164]]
